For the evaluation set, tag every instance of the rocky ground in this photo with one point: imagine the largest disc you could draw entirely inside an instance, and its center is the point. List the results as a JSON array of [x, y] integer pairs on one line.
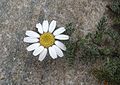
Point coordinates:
[[19, 67]]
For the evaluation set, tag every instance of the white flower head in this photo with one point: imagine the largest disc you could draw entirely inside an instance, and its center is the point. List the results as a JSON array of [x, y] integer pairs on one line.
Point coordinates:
[[47, 40]]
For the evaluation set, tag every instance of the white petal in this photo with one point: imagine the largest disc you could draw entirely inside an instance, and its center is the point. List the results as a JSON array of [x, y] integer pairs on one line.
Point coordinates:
[[38, 50], [52, 26], [62, 37], [45, 25], [32, 34], [43, 54], [60, 45], [52, 52], [33, 46], [59, 31], [30, 40], [58, 51], [39, 27]]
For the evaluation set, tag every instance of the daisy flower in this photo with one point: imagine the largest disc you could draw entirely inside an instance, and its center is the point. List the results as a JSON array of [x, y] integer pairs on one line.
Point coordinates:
[[47, 40]]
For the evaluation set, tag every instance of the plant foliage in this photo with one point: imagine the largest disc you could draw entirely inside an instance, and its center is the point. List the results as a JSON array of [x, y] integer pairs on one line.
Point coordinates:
[[104, 44], [71, 46]]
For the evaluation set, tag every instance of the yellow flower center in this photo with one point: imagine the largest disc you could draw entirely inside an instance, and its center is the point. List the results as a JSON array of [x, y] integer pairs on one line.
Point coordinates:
[[47, 39]]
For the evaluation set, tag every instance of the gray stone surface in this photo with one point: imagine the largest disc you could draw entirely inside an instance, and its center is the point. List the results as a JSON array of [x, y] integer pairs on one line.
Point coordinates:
[[19, 67]]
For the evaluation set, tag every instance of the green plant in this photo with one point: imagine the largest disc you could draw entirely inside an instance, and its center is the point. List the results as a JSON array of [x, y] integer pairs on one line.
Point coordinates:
[[103, 45], [71, 46], [115, 9], [115, 6], [110, 71], [71, 52], [93, 45]]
